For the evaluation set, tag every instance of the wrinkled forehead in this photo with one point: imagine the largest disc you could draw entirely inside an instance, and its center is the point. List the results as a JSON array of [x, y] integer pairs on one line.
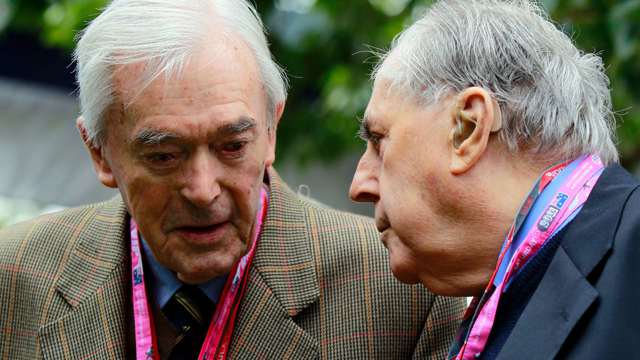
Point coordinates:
[[222, 58]]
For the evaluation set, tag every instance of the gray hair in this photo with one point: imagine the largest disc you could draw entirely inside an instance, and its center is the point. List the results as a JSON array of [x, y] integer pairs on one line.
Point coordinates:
[[555, 100], [162, 34]]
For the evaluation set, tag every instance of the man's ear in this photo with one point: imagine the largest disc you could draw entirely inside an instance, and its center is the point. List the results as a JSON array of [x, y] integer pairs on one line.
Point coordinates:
[[277, 115], [474, 117], [103, 169]]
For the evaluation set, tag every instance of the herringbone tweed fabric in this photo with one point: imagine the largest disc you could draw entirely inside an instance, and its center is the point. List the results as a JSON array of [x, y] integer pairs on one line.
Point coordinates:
[[320, 288]]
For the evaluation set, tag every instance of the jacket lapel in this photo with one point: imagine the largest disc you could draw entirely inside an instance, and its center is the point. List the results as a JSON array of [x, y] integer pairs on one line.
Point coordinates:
[[564, 293], [282, 283], [558, 303], [94, 285]]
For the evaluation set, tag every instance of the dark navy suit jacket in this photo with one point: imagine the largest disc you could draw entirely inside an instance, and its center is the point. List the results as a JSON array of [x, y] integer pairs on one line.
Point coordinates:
[[587, 302]]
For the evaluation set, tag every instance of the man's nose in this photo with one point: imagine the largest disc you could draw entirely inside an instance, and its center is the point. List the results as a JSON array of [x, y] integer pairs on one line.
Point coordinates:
[[364, 186], [202, 181]]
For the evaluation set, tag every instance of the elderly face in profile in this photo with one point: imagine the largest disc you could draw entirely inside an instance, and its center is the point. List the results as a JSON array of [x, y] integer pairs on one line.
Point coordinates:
[[426, 191], [188, 151], [470, 105]]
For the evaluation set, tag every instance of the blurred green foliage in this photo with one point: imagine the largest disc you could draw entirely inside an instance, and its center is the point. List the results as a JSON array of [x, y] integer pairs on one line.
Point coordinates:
[[324, 45]]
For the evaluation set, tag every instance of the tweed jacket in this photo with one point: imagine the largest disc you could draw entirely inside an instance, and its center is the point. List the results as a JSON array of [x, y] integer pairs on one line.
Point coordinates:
[[319, 288]]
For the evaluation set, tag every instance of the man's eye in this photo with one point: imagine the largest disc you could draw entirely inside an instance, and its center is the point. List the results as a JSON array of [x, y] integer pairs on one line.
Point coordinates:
[[375, 141], [161, 158], [233, 148]]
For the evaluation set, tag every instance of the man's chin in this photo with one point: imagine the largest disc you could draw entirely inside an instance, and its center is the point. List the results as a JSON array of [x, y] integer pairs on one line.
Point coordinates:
[[200, 278], [404, 275], [199, 274]]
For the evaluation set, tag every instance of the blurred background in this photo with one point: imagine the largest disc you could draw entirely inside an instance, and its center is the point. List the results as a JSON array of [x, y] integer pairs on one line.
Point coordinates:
[[325, 46]]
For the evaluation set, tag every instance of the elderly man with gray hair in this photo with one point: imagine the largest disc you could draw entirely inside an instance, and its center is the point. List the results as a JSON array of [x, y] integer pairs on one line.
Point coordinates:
[[206, 253], [492, 166]]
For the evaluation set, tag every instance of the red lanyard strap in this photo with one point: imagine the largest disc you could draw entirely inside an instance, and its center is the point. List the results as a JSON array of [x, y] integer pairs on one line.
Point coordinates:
[[146, 343], [218, 337]]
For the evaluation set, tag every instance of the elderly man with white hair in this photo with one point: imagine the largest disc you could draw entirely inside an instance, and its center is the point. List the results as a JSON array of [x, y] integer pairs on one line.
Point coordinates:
[[492, 166], [206, 253]]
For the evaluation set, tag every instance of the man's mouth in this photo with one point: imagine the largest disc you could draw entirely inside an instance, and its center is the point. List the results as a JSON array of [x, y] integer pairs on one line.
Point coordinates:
[[203, 234]]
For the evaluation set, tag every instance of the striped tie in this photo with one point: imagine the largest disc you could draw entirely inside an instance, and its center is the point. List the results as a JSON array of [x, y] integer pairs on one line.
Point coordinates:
[[190, 311]]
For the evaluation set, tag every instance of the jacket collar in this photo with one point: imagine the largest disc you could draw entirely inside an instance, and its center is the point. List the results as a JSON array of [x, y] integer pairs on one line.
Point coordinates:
[[591, 234], [94, 282], [100, 251], [564, 293], [284, 257], [282, 283]]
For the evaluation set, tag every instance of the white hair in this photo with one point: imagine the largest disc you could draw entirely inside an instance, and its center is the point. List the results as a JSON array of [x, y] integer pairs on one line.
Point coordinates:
[[555, 100], [162, 34]]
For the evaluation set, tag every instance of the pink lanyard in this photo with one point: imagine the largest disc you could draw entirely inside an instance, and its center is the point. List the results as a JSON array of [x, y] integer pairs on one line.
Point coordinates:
[[221, 327], [572, 194]]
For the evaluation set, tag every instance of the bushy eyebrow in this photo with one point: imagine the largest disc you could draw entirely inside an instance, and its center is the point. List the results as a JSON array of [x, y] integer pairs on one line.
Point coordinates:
[[151, 137], [155, 137], [243, 124]]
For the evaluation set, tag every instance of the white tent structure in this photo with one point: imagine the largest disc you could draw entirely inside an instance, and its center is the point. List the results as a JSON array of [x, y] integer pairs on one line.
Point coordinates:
[[41, 155]]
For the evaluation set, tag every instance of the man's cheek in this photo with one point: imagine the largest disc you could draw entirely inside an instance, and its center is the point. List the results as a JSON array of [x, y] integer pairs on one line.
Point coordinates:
[[149, 200]]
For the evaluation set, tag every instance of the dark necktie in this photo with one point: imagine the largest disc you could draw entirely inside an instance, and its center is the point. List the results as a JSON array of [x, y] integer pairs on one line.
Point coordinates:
[[190, 311]]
